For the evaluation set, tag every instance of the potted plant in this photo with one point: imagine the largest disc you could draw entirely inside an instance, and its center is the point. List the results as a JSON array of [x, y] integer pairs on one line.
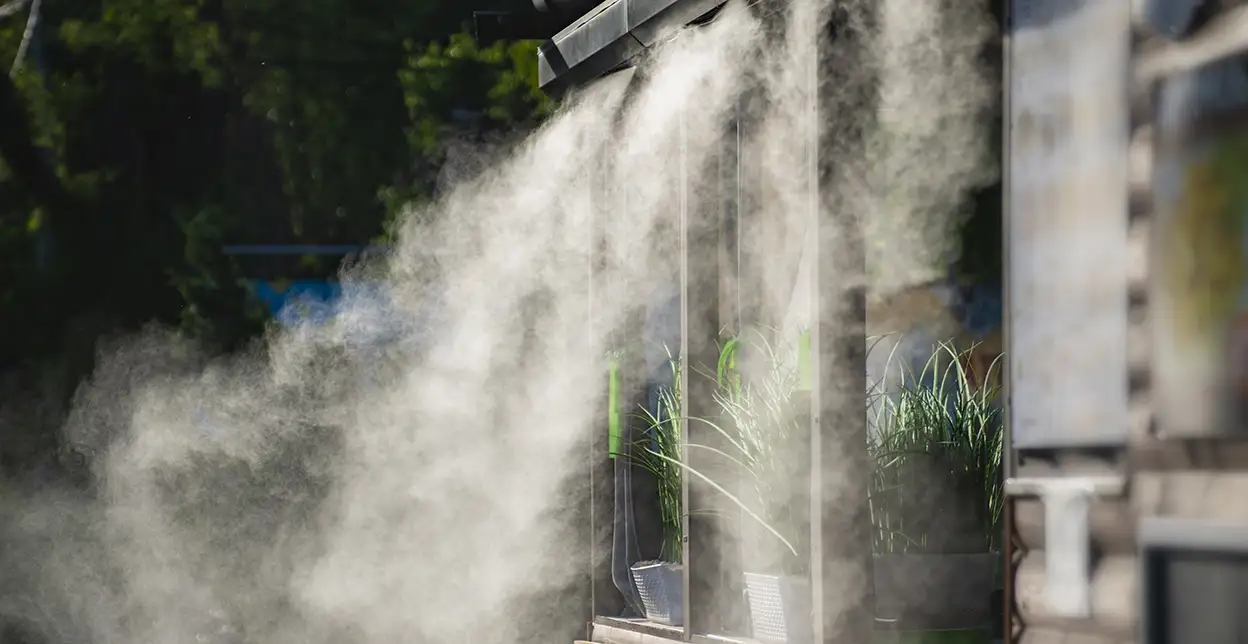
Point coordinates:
[[763, 435], [936, 495], [763, 423], [660, 583]]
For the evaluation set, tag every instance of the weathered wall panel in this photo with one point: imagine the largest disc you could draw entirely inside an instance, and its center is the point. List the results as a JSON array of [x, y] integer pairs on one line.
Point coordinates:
[[1067, 212]]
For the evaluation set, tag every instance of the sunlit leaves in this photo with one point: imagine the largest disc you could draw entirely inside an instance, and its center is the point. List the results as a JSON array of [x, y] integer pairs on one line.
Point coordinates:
[[148, 31], [498, 82]]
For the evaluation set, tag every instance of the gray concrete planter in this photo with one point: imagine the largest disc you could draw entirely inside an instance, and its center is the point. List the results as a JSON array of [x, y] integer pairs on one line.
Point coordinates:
[[936, 591]]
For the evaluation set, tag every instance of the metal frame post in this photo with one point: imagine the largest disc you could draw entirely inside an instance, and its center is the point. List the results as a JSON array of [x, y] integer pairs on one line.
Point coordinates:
[[705, 607], [841, 567]]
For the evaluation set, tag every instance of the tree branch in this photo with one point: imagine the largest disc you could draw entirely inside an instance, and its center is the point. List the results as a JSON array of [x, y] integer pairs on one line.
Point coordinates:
[[12, 8], [32, 23], [17, 134], [19, 151]]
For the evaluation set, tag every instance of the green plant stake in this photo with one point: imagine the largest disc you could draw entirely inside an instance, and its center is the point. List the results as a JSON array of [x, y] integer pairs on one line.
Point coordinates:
[[805, 368], [613, 408]]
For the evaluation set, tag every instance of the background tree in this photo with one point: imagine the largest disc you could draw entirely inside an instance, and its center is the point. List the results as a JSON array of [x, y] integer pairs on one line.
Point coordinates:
[[139, 136]]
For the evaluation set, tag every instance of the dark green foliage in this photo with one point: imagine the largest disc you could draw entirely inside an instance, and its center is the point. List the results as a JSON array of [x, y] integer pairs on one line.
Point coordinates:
[[139, 136]]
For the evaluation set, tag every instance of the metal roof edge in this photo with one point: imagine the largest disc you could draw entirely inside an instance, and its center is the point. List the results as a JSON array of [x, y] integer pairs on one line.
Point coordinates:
[[648, 19], [608, 36]]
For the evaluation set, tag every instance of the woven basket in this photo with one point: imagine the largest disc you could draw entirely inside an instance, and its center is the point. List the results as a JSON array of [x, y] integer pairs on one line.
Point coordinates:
[[661, 586], [779, 608]]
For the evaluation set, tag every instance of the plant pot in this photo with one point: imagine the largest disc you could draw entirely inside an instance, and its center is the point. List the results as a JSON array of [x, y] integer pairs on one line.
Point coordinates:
[[779, 608], [936, 591], [662, 589]]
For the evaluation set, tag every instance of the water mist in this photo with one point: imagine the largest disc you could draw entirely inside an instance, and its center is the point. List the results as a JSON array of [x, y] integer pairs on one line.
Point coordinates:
[[326, 486]]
